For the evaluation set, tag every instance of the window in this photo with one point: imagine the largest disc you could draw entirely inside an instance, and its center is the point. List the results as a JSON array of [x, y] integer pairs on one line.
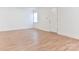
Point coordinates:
[[35, 17]]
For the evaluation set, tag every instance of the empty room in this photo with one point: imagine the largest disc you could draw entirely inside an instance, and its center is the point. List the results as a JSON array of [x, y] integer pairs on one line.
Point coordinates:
[[39, 28]]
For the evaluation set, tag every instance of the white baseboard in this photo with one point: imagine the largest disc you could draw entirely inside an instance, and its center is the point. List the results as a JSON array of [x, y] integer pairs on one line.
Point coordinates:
[[11, 29], [69, 35], [41, 29]]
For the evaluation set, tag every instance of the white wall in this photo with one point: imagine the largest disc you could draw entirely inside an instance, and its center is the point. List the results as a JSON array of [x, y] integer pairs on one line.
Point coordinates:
[[47, 19], [22, 18], [15, 18], [69, 22]]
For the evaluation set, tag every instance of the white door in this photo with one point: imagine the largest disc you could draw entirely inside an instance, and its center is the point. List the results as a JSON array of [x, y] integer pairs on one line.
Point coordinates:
[[47, 19], [53, 20], [43, 19]]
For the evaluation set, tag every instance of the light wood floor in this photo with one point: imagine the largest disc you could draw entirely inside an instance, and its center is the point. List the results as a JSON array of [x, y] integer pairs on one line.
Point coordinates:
[[36, 40]]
